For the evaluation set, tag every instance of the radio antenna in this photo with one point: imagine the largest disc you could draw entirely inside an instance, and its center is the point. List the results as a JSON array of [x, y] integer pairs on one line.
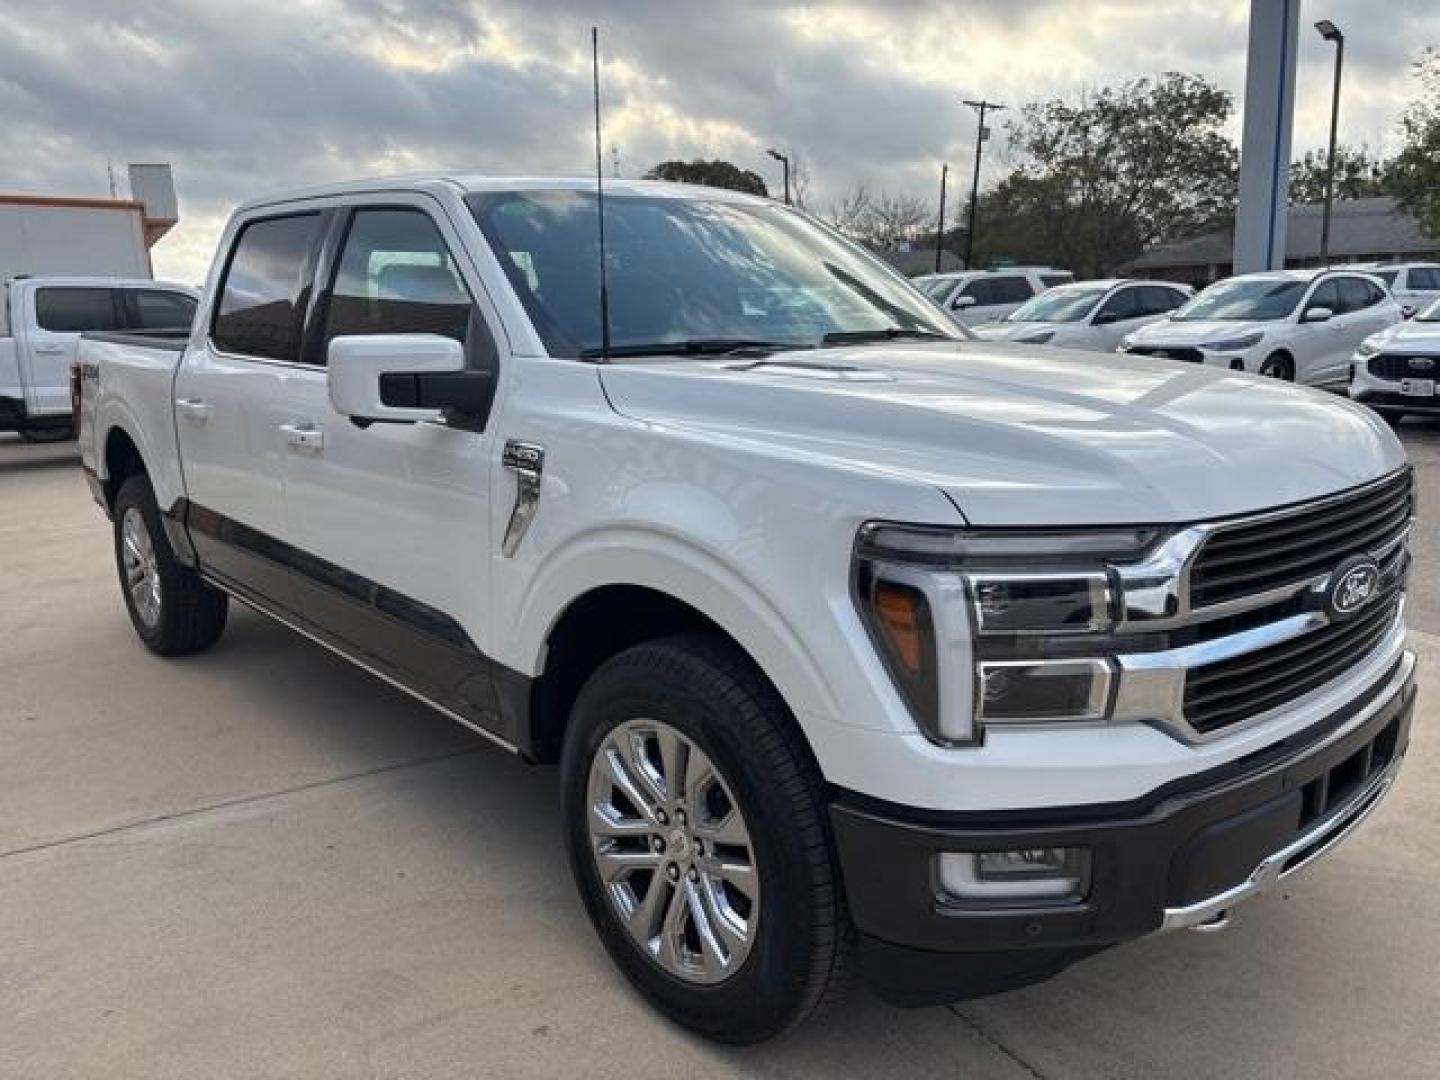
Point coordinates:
[[600, 200]]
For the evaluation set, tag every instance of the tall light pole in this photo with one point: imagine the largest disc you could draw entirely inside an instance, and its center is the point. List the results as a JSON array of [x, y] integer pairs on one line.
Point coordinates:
[[940, 231], [1330, 32], [785, 161], [981, 107]]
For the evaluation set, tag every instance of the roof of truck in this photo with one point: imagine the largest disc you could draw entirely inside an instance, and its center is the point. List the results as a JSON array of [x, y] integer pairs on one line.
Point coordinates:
[[466, 183]]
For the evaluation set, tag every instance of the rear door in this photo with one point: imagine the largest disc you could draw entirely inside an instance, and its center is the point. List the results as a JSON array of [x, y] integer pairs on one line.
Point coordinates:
[[59, 315], [230, 404], [391, 522]]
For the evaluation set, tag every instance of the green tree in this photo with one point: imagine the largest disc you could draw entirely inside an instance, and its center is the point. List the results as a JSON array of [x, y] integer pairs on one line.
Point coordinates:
[[721, 174], [1101, 179], [1357, 175], [1414, 173]]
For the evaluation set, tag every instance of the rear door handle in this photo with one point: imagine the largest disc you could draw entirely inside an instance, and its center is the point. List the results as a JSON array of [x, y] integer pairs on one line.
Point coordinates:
[[196, 410], [305, 437]]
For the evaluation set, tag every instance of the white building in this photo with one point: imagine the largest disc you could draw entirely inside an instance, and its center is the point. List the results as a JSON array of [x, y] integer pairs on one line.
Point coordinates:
[[59, 235]]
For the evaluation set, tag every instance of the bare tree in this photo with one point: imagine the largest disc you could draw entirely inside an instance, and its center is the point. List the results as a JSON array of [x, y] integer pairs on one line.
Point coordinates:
[[851, 213], [896, 219]]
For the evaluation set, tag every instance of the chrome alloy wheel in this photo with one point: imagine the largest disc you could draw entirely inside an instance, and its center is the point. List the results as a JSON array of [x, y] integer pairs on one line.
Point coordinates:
[[142, 575], [673, 852]]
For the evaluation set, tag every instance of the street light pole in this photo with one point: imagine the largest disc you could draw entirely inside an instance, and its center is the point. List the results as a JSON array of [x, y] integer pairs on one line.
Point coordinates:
[[981, 107], [784, 161], [1330, 32], [940, 232]]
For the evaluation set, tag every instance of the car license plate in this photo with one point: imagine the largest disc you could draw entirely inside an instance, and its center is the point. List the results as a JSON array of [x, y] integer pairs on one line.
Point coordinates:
[[1417, 387]]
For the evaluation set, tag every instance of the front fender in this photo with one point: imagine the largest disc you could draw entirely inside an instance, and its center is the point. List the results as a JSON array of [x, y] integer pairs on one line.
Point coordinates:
[[666, 564]]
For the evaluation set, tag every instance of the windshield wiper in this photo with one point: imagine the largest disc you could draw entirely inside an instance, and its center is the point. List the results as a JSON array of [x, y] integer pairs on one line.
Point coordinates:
[[693, 347], [888, 333]]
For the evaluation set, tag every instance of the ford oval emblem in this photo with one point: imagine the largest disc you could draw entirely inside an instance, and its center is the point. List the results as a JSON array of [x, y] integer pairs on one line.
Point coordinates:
[[1354, 584]]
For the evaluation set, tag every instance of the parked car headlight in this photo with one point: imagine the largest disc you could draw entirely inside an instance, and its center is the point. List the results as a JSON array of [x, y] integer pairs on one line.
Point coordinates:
[[1234, 344], [1367, 349], [967, 621]]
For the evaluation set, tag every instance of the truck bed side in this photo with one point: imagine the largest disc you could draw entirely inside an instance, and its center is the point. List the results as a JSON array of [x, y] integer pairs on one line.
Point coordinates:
[[126, 406]]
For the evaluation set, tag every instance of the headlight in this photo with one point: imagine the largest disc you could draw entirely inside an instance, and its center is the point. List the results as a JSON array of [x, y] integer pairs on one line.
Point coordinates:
[[1036, 339], [1235, 344], [969, 623], [1366, 349]]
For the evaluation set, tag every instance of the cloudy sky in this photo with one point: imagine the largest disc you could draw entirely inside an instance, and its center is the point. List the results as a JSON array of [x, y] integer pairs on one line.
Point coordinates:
[[250, 96]]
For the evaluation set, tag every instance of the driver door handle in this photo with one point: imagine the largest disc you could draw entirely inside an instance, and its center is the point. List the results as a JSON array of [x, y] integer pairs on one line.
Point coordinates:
[[306, 437], [49, 350], [196, 410]]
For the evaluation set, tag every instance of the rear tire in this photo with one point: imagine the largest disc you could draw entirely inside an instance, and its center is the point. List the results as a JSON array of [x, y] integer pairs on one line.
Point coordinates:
[[172, 609], [786, 920]]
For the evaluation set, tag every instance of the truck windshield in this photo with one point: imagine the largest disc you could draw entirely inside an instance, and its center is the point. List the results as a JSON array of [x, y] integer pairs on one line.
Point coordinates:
[[1067, 303], [685, 270], [1257, 298]]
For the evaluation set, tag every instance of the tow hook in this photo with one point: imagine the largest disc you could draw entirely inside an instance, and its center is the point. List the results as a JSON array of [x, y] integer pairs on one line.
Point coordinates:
[[1213, 925]]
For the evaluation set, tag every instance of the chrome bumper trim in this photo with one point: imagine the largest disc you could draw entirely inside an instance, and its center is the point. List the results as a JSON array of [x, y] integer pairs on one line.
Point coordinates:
[[1311, 845]]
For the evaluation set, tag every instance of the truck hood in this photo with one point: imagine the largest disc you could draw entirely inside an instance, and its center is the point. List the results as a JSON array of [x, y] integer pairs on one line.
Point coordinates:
[[1027, 437], [1198, 331]]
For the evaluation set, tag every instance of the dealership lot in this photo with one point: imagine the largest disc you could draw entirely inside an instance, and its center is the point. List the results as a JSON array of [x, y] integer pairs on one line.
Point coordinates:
[[262, 862]]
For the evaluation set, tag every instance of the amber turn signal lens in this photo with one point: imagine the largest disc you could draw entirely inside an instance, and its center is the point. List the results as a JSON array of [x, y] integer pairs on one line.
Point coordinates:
[[900, 610]]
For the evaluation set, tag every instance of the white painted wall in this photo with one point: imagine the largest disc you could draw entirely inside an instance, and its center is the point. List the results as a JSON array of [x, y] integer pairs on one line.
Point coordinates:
[[71, 240]]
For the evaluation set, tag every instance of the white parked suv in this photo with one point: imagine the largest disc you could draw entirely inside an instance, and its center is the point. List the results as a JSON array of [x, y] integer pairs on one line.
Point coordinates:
[[853, 639], [1397, 371], [981, 296], [1092, 315], [1300, 325], [41, 319], [1414, 285]]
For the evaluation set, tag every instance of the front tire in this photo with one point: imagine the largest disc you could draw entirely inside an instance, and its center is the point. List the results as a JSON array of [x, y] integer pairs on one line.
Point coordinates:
[[172, 609], [698, 835], [1278, 366]]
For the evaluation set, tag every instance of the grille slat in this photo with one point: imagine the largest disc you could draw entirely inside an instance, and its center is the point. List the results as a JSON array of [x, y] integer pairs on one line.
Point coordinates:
[[1251, 557], [1285, 680], [1320, 555], [1216, 558]]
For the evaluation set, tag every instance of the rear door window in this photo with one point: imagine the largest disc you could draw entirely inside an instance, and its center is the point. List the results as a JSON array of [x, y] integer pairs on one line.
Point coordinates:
[[260, 307], [1356, 294], [161, 309], [68, 310], [1051, 280], [1424, 277], [1011, 289]]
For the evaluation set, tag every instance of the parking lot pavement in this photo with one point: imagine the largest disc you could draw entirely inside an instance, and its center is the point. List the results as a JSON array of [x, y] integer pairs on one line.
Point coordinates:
[[263, 862]]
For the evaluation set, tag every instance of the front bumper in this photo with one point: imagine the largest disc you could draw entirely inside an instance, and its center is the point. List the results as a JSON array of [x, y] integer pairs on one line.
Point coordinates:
[[1181, 856]]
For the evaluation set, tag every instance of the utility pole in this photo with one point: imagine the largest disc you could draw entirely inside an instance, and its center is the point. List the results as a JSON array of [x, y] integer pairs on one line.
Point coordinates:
[[785, 161], [981, 107], [940, 231], [1330, 32]]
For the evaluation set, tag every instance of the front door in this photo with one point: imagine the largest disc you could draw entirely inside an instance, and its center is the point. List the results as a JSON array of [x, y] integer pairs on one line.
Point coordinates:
[[391, 521], [229, 406]]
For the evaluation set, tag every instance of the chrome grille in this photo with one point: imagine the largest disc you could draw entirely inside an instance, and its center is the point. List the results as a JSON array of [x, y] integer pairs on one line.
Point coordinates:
[[1292, 546], [1220, 694]]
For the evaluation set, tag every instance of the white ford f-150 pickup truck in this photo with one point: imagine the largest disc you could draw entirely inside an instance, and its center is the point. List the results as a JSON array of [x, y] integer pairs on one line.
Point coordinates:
[[41, 320], [859, 643]]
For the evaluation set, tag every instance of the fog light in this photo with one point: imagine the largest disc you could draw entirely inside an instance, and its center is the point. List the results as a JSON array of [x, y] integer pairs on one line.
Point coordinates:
[[1043, 690], [1030, 875]]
